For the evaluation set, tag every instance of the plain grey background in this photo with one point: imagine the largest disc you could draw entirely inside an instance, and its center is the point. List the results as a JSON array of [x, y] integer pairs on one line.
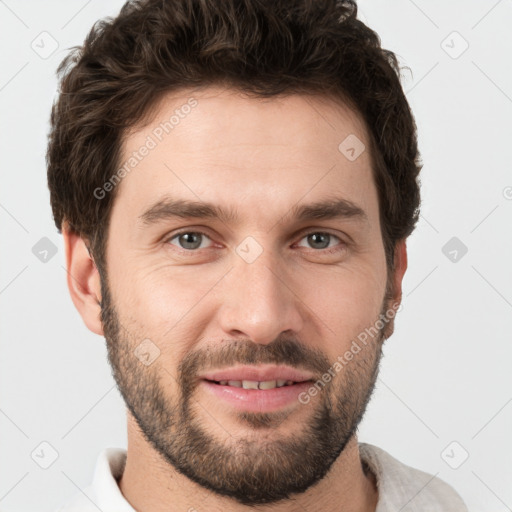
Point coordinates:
[[443, 401]]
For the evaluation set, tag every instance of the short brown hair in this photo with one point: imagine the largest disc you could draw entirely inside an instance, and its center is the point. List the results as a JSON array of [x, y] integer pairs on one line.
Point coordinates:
[[261, 47]]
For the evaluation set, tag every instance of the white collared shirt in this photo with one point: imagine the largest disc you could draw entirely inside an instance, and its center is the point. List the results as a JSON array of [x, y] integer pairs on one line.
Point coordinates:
[[400, 487]]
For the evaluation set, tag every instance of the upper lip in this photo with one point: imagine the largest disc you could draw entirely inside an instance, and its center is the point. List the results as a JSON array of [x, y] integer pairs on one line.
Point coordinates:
[[259, 374]]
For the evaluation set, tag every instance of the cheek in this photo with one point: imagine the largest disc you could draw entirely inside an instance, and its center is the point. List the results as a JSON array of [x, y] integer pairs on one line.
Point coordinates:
[[166, 300], [346, 299], [173, 302]]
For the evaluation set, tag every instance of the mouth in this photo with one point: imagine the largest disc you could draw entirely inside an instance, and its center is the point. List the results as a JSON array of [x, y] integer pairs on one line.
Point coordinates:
[[256, 396], [268, 376], [253, 384]]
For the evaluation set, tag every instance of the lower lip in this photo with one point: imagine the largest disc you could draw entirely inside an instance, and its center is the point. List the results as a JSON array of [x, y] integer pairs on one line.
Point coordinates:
[[257, 400]]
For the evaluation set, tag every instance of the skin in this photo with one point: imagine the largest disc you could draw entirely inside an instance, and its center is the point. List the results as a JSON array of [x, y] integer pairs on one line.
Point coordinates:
[[294, 305]]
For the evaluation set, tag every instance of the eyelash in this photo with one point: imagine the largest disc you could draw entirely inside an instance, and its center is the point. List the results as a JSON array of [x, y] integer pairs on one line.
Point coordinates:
[[331, 250]]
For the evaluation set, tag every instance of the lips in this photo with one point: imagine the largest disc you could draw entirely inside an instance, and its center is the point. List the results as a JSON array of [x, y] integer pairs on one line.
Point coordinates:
[[259, 374], [255, 400]]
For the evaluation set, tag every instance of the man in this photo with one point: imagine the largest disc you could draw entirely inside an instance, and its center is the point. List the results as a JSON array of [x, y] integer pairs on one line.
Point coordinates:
[[235, 182]]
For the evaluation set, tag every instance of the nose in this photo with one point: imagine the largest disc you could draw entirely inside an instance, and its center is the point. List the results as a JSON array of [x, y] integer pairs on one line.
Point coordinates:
[[258, 300]]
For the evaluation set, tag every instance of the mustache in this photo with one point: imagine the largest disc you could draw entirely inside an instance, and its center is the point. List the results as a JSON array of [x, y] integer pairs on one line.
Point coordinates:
[[282, 351]]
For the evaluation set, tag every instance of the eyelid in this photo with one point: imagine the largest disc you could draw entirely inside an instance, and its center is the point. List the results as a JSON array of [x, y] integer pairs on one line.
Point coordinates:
[[310, 231]]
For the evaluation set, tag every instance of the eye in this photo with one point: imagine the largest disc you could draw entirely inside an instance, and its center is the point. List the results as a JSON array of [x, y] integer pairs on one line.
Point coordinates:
[[189, 240], [321, 240], [193, 240]]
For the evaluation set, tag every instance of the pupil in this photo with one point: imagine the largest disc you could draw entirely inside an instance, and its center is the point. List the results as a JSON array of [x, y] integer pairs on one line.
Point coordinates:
[[187, 238], [320, 235]]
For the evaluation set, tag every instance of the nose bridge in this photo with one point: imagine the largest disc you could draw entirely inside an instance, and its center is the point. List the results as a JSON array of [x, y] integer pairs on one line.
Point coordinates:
[[258, 300]]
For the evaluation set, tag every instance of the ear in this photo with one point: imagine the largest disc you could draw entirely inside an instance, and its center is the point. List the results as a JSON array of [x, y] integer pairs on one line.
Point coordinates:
[[83, 280], [395, 292]]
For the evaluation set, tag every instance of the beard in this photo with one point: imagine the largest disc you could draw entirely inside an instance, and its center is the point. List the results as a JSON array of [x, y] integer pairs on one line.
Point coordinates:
[[257, 465]]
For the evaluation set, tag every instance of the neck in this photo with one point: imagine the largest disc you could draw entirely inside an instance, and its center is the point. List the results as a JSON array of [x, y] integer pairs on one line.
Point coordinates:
[[149, 483]]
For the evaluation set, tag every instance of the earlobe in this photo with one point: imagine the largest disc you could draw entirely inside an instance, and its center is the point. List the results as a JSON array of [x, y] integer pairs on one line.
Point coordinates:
[[83, 280]]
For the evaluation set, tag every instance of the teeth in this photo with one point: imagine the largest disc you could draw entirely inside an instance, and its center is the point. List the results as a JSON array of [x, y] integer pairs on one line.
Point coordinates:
[[269, 384], [252, 384]]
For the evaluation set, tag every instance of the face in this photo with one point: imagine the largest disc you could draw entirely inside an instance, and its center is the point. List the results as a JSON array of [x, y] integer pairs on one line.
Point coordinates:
[[263, 286]]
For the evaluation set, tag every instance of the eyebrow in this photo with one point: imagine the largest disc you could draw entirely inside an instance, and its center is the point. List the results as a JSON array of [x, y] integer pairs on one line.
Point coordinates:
[[168, 208]]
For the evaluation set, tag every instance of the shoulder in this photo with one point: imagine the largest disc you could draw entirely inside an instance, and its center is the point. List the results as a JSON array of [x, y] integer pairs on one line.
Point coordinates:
[[403, 487]]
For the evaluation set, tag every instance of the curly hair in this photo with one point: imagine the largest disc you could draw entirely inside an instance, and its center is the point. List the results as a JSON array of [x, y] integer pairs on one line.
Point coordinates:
[[260, 47]]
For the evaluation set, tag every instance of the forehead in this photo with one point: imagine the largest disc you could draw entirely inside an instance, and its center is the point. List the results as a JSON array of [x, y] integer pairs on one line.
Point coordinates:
[[249, 154]]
